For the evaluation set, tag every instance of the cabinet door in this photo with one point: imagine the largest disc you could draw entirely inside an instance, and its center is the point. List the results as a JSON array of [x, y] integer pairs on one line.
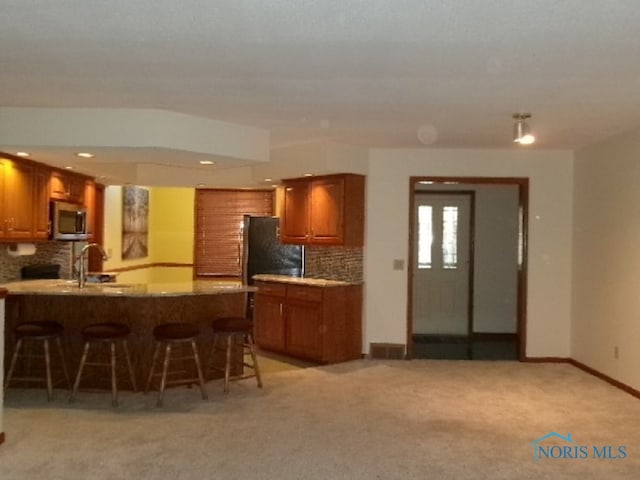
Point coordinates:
[[67, 187], [41, 203], [76, 188], [19, 200], [295, 217], [327, 211], [90, 205], [268, 312], [304, 329], [59, 186]]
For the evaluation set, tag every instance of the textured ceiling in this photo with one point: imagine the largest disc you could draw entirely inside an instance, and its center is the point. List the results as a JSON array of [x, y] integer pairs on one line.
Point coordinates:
[[364, 72]]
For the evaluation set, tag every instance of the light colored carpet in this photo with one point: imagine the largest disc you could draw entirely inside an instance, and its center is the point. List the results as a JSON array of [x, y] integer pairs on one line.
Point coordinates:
[[365, 419]]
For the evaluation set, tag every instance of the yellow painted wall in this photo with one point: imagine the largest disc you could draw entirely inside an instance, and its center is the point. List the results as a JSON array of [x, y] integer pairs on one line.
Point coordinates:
[[171, 227]]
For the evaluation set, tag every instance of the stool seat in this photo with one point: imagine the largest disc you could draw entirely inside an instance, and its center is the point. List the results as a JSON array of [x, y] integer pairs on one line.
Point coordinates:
[[38, 330], [106, 331], [175, 331], [232, 325]]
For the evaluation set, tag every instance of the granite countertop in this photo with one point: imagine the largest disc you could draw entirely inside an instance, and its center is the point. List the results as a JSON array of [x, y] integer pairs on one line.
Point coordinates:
[[70, 287], [312, 282]]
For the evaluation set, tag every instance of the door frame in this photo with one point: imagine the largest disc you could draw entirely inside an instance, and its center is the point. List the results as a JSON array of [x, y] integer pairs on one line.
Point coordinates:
[[523, 215]]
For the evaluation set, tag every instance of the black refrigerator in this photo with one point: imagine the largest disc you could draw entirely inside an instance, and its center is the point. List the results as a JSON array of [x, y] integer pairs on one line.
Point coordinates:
[[263, 252]]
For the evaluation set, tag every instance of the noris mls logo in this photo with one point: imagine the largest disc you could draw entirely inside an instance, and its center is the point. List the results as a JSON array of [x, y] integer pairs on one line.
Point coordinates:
[[554, 446]]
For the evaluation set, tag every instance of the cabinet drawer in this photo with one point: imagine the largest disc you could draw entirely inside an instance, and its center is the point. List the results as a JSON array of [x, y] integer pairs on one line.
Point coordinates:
[[312, 294], [273, 289]]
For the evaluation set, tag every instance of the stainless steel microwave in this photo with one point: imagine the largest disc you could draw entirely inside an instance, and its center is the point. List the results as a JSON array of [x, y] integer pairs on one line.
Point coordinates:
[[68, 221]]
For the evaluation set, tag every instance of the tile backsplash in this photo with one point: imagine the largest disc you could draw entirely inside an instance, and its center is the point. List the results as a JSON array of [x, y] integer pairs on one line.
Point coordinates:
[[46, 253], [334, 263], [331, 263]]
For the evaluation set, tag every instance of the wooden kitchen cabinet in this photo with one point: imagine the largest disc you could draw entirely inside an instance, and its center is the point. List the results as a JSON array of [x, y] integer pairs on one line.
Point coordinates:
[[304, 329], [322, 324], [270, 331], [89, 199], [67, 186], [326, 210], [25, 190], [41, 221], [24, 201]]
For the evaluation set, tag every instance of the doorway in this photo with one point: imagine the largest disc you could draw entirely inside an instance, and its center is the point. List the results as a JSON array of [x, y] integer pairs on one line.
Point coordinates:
[[467, 268]]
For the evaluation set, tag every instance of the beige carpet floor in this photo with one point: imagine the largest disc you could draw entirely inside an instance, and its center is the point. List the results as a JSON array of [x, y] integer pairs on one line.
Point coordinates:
[[420, 419]]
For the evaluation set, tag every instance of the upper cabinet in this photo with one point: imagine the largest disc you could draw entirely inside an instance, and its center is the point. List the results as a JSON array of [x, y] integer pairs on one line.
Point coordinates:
[[90, 204], [26, 187], [326, 210], [25, 199], [67, 186], [41, 225]]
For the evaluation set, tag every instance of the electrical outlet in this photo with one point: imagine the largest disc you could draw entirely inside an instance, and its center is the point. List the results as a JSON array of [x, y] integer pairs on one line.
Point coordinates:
[[398, 264], [616, 352]]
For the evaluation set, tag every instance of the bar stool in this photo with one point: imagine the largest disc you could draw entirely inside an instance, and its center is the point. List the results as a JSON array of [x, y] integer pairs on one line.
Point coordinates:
[[168, 335], [33, 332], [106, 334], [235, 331]]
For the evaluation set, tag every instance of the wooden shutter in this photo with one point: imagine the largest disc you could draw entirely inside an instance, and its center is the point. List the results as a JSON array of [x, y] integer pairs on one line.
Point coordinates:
[[219, 214]]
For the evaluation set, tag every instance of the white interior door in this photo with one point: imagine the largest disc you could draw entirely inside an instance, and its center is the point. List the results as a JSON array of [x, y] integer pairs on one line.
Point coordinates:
[[441, 264]]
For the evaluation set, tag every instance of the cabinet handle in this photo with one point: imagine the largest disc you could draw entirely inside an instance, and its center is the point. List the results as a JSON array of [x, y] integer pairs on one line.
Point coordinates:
[[281, 309]]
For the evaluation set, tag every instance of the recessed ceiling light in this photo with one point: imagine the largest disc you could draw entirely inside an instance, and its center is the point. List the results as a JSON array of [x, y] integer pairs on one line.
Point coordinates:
[[307, 174], [207, 162], [268, 180], [68, 167], [23, 154], [199, 185], [85, 155]]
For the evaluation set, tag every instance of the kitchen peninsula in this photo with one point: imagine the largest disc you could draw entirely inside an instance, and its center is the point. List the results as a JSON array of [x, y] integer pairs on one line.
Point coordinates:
[[140, 306]]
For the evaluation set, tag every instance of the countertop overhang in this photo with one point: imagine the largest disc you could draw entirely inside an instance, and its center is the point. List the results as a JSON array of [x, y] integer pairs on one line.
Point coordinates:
[[70, 288]]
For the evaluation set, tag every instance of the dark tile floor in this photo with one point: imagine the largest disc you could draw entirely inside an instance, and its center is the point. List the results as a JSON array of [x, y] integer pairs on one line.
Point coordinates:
[[464, 348]]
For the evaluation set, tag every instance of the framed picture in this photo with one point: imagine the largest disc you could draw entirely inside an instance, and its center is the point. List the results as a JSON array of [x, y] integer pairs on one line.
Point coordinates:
[[135, 218]]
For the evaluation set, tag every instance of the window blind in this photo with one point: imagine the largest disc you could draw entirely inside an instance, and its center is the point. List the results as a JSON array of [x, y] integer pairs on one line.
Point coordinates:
[[219, 215]]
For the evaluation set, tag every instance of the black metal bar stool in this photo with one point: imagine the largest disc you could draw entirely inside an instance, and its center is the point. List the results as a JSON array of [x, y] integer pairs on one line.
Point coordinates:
[[169, 335], [236, 331], [34, 332], [106, 334]]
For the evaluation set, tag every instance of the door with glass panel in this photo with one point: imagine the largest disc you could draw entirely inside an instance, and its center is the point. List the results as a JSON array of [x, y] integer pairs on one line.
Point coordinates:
[[442, 229]]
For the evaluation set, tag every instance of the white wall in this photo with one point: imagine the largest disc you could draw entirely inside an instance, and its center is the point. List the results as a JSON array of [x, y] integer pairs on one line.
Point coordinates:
[[550, 210], [606, 273]]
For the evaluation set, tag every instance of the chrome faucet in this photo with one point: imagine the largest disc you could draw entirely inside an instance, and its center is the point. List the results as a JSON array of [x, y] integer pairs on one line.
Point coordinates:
[[82, 257]]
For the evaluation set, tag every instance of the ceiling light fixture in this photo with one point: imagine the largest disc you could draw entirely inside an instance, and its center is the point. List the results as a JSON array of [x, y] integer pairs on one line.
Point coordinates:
[[521, 132], [23, 154], [206, 162], [85, 155]]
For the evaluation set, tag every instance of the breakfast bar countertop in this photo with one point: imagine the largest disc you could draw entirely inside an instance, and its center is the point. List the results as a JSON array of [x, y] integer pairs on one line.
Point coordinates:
[[70, 288], [312, 282]]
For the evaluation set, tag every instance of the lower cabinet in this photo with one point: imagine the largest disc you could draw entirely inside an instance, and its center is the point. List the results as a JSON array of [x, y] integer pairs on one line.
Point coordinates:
[[323, 324]]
